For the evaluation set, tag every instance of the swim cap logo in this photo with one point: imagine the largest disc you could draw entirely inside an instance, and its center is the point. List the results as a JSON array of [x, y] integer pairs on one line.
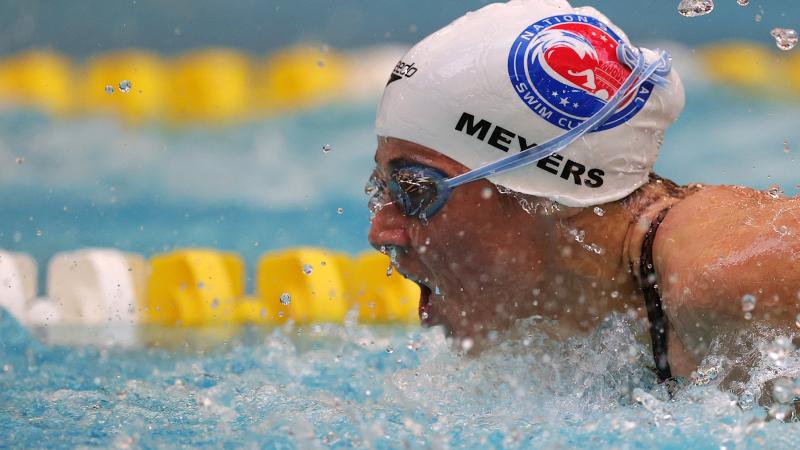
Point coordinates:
[[565, 68], [402, 69]]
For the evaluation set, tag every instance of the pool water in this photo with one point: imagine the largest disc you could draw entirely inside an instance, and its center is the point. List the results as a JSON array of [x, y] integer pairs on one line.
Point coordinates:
[[266, 185], [354, 386]]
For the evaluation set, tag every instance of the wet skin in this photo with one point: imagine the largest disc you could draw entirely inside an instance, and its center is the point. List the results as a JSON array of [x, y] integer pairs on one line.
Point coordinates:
[[494, 263]]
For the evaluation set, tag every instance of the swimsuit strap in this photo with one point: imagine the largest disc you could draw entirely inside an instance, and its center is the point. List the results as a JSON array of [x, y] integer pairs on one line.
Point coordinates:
[[652, 299]]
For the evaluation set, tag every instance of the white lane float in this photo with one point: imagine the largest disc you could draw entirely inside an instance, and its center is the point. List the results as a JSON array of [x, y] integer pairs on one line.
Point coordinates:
[[98, 290], [18, 283]]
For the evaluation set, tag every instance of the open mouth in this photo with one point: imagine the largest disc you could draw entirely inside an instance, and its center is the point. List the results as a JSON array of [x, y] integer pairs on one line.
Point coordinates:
[[424, 304]]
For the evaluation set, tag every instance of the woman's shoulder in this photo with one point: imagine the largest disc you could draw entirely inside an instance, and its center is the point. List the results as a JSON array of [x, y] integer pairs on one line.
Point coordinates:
[[719, 243]]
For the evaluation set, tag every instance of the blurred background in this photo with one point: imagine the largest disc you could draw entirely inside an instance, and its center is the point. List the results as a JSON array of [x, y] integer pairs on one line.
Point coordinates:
[[247, 126]]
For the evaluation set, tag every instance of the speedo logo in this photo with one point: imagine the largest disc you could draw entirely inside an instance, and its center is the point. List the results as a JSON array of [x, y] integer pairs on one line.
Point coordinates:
[[503, 139], [402, 70]]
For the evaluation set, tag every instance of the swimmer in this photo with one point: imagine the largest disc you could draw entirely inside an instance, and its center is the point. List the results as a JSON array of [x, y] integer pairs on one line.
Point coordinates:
[[514, 178]]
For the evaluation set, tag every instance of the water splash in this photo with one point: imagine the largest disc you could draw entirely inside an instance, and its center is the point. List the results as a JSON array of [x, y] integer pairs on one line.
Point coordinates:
[[695, 8], [785, 38], [339, 386]]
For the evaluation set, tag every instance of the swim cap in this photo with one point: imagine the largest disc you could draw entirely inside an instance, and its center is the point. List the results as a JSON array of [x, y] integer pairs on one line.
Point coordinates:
[[509, 76]]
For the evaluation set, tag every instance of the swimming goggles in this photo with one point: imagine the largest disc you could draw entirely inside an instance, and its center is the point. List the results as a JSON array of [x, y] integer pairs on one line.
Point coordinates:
[[421, 191]]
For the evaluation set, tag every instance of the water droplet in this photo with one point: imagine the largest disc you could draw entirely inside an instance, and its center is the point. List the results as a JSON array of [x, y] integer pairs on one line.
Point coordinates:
[[747, 400], [286, 299], [486, 193], [467, 344], [389, 270], [579, 235], [785, 38], [125, 86], [109, 89], [596, 249], [797, 320], [340, 211], [775, 191], [423, 316], [215, 303], [437, 291], [39, 233], [694, 8], [758, 18], [743, 2], [614, 294], [389, 350], [20, 160], [321, 63], [308, 269], [599, 211], [748, 303], [326, 148], [786, 148]]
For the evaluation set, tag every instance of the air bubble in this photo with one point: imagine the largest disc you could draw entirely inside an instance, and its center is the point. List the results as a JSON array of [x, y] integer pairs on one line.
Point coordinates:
[[695, 8], [748, 303], [124, 86], [327, 148], [785, 38], [286, 299]]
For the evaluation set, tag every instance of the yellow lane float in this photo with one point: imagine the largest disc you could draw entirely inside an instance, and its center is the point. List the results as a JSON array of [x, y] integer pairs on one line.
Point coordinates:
[[129, 83], [194, 287], [204, 287], [723, 63], [37, 79], [303, 284], [300, 77], [381, 295], [211, 86]]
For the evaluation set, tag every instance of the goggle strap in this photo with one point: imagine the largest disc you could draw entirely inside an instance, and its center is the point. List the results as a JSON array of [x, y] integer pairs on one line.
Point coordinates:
[[640, 73]]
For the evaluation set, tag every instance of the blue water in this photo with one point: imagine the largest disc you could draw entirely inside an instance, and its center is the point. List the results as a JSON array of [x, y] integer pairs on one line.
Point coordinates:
[[264, 185], [351, 386]]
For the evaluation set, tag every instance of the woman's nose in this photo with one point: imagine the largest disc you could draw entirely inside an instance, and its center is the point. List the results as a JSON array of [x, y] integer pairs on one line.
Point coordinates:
[[389, 227]]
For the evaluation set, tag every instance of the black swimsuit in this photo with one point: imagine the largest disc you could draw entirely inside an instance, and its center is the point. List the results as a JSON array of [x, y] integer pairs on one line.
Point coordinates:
[[652, 299]]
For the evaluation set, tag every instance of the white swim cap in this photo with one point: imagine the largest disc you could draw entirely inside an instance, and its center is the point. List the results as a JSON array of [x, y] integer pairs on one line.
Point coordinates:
[[508, 76]]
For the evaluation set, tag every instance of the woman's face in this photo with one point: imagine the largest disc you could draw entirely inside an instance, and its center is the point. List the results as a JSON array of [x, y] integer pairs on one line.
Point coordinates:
[[470, 259]]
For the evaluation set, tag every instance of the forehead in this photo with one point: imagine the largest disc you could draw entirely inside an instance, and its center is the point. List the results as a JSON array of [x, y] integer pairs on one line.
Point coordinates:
[[391, 150]]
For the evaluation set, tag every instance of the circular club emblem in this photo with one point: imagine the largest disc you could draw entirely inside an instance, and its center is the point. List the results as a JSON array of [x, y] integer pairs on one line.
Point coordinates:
[[565, 68]]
